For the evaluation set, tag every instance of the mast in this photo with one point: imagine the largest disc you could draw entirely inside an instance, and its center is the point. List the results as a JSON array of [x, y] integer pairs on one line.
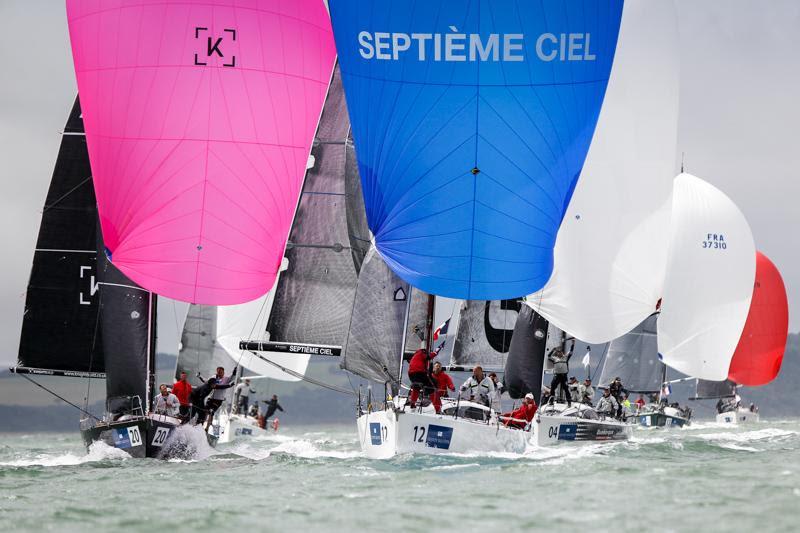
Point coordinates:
[[429, 322], [405, 332], [152, 336]]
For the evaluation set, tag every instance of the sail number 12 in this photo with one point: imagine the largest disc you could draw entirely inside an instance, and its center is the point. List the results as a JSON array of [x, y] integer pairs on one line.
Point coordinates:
[[419, 433]]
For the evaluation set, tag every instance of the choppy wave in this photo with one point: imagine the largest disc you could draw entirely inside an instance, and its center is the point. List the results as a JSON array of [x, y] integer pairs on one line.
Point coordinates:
[[98, 451]]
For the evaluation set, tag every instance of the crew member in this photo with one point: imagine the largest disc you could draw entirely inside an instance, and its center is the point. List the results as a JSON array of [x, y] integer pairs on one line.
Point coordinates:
[[576, 390], [560, 362], [420, 379], [198, 397], [522, 416], [617, 389], [639, 402], [223, 382], [607, 405], [588, 391], [271, 407], [480, 387], [166, 403], [443, 382], [183, 390], [242, 394], [499, 389]]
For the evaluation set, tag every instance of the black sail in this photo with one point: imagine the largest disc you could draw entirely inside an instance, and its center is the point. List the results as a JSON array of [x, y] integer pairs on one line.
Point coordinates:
[[60, 328], [314, 295], [526, 353], [127, 315]]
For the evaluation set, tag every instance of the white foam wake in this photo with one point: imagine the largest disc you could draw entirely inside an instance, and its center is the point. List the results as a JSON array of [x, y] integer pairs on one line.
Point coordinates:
[[98, 451]]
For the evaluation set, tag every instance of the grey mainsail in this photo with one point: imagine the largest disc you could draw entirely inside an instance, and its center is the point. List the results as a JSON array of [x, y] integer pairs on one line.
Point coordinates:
[[526, 353], [375, 336], [634, 359], [485, 329], [200, 352], [712, 390]]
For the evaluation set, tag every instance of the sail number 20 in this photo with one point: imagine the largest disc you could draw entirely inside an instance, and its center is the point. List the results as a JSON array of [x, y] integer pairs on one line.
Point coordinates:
[[419, 433]]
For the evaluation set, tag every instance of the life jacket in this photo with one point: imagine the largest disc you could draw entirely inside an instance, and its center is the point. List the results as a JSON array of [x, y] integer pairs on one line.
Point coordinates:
[[419, 362]]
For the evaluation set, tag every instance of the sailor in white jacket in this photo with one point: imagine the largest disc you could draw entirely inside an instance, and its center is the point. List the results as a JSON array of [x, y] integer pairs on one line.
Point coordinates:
[[166, 403], [479, 387]]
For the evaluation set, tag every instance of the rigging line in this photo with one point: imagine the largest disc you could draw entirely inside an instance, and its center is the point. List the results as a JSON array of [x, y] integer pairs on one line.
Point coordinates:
[[305, 378], [605, 351], [63, 196], [60, 397]]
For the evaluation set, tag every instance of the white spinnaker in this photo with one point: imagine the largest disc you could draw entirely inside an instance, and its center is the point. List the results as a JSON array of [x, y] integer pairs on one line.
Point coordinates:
[[709, 281], [612, 246], [249, 322]]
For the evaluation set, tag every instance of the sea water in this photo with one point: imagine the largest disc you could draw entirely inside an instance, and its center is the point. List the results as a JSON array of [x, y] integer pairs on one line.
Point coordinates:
[[707, 477]]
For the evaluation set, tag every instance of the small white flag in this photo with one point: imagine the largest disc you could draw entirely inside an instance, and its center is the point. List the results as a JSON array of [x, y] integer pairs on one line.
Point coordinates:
[[587, 359]]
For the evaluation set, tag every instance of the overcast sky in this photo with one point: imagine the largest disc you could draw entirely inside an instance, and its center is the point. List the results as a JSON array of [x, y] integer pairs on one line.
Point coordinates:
[[740, 72]]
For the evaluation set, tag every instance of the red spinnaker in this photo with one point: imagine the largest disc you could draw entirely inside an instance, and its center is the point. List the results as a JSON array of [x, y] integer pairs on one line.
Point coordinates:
[[759, 354]]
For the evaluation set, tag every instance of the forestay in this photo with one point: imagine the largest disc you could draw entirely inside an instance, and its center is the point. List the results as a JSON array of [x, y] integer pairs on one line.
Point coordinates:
[[634, 359], [199, 120], [472, 121], [758, 356], [709, 281], [611, 249]]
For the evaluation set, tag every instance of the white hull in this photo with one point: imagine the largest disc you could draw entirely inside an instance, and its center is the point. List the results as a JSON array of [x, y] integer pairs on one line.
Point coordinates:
[[386, 433], [557, 425], [235, 427], [740, 416]]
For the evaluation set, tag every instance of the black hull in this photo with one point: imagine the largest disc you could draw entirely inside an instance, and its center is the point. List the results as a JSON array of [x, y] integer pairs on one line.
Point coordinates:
[[142, 436]]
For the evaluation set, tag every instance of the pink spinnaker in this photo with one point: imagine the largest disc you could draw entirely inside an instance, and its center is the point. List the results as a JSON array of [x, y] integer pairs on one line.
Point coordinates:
[[199, 120]]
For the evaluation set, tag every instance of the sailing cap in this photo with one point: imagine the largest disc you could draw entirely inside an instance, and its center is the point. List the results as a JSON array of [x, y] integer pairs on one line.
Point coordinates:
[[529, 396]]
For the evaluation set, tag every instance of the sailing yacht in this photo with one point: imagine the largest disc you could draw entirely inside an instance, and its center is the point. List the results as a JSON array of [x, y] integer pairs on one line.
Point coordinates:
[[194, 198], [634, 359], [103, 324]]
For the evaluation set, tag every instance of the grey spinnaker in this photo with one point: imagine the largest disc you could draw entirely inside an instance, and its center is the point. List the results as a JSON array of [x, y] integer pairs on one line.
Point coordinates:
[[485, 329], [61, 332], [375, 338], [634, 359], [526, 353], [314, 295], [711, 390], [200, 351]]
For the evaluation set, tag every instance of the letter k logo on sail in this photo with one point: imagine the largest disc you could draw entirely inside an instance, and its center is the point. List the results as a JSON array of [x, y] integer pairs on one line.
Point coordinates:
[[214, 47]]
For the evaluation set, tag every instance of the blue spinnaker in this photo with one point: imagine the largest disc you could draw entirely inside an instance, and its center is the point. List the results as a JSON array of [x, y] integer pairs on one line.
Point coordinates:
[[472, 120]]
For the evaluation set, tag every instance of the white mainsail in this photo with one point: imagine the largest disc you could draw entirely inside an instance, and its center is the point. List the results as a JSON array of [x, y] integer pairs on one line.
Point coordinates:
[[611, 249], [249, 321], [709, 281]]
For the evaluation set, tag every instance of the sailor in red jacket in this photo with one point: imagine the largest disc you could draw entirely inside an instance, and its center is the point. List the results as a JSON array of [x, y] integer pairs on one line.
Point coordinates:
[[523, 412], [182, 389], [443, 381], [419, 377]]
